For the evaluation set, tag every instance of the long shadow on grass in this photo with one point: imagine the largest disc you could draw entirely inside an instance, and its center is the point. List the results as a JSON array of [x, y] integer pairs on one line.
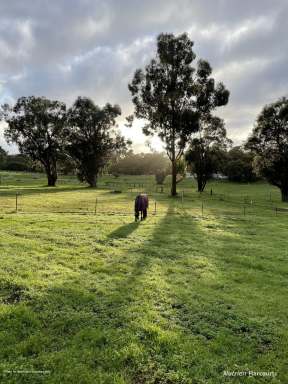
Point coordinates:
[[11, 191], [80, 317], [124, 231], [156, 313]]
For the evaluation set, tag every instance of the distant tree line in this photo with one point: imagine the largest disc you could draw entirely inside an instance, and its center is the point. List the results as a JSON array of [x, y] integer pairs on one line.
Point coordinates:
[[23, 163], [236, 163], [140, 164], [15, 162], [177, 99]]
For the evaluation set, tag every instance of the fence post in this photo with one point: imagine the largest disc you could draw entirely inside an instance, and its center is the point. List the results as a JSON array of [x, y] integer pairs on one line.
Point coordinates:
[[155, 206], [182, 199], [16, 201], [95, 208]]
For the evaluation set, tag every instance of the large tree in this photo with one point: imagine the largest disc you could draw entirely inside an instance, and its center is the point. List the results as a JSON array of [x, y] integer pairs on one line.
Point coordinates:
[[36, 125], [269, 142], [207, 150], [91, 137], [171, 95]]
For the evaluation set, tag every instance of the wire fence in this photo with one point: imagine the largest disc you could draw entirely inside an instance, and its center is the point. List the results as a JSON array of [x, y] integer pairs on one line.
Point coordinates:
[[104, 203]]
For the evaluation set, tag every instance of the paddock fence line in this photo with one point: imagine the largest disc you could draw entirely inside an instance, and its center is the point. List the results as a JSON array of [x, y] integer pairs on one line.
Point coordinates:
[[115, 204]]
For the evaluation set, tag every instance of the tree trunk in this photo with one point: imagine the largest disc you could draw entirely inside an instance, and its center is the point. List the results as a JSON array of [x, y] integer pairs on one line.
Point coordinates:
[[51, 180], [51, 177], [92, 181], [51, 172], [284, 194], [174, 178], [201, 183]]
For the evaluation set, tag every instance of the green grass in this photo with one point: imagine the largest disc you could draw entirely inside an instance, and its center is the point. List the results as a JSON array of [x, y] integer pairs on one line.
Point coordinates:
[[178, 298]]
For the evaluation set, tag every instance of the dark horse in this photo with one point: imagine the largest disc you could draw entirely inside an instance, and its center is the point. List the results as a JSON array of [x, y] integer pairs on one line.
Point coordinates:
[[141, 205]]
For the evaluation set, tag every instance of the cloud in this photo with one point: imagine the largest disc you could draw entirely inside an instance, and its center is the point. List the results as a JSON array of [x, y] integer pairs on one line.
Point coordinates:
[[92, 47]]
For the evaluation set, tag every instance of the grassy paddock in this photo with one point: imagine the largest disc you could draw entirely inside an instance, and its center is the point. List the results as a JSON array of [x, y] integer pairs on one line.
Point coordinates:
[[179, 298], [28, 193]]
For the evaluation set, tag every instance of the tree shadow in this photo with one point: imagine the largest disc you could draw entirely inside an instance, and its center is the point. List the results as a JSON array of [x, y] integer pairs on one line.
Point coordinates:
[[124, 231], [156, 300], [44, 189]]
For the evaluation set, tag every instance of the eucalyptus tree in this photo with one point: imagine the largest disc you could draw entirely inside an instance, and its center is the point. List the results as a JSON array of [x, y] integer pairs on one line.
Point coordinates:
[[207, 148], [269, 142], [171, 95], [37, 125], [92, 139]]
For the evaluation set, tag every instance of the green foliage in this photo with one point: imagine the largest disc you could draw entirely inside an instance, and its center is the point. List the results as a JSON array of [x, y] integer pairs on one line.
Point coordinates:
[[19, 163], [180, 169], [239, 165], [171, 95], [36, 125], [160, 177], [269, 141], [3, 156], [139, 164], [66, 165], [91, 139], [207, 149]]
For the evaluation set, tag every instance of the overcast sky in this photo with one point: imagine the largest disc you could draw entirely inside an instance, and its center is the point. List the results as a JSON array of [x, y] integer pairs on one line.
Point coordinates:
[[65, 48]]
